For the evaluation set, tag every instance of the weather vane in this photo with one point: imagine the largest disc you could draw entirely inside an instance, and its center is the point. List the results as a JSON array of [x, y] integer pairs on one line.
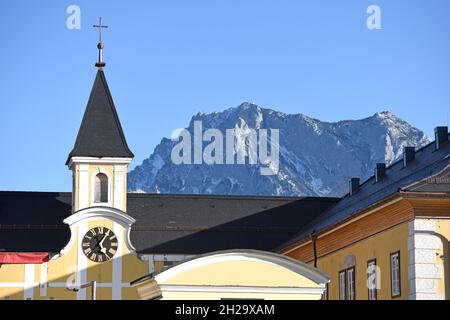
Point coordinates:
[[100, 64]]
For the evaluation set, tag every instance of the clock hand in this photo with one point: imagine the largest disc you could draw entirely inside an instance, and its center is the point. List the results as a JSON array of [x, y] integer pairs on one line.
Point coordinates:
[[100, 244], [102, 248]]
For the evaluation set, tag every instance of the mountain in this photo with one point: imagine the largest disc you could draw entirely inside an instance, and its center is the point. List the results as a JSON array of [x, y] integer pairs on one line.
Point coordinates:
[[315, 157]]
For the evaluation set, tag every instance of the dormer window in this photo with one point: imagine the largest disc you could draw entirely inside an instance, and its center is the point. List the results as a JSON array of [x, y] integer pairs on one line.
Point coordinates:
[[101, 188]]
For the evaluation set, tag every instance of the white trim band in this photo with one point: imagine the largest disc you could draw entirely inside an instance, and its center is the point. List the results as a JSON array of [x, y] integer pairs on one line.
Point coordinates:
[[105, 160], [241, 289]]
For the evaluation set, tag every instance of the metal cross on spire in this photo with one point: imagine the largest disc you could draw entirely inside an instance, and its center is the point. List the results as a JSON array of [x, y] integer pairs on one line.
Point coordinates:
[[100, 64]]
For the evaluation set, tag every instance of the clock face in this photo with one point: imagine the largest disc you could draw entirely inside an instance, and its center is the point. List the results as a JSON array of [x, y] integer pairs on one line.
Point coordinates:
[[99, 244]]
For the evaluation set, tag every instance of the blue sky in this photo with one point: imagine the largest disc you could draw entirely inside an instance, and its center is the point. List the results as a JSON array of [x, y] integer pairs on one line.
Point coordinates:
[[167, 60]]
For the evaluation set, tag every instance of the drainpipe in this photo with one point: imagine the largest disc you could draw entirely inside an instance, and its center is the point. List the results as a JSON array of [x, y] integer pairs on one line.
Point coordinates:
[[313, 237]]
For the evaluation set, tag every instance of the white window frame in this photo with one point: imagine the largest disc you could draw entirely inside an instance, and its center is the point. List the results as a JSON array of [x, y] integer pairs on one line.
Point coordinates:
[[396, 288], [372, 279], [110, 195], [99, 188], [351, 283], [342, 285]]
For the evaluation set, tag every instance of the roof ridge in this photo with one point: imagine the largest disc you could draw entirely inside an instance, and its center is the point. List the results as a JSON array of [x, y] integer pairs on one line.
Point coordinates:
[[161, 195], [237, 197]]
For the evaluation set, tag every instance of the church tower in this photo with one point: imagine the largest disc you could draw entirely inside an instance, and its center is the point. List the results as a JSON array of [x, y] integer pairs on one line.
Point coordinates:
[[100, 157]]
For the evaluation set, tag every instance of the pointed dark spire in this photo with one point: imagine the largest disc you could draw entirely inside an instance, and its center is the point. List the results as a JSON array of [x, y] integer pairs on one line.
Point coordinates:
[[100, 133]]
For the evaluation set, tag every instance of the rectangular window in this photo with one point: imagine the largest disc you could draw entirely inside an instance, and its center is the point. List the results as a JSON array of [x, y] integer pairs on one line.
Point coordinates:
[[372, 279], [351, 284], [342, 285], [395, 275]]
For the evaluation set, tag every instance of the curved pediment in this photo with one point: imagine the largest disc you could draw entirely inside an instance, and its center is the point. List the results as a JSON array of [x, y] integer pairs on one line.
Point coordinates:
[[79, 223], [248, 274], [99, 212], [245, 258]]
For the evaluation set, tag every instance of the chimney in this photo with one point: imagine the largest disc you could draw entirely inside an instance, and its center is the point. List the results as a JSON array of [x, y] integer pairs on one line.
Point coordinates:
[[380, 171], [353, 185], [441, 135], [409, 154]]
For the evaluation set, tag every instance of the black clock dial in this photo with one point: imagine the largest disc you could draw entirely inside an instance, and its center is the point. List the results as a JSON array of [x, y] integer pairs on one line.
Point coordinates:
[[99, 244]]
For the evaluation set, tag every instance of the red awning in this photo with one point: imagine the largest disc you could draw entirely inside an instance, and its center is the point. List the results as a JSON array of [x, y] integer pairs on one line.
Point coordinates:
[[23, 257]]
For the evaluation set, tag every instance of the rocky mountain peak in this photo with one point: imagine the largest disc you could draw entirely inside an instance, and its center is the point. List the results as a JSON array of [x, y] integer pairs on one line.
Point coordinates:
[[315, 157]]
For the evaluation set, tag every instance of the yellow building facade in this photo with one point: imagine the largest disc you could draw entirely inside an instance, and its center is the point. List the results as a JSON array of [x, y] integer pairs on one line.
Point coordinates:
[[388, 239]]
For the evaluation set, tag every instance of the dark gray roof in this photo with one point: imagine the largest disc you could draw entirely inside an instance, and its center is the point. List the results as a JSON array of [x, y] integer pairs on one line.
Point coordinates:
[[100, 133], [33, 221], [178, 224], [199, 224], [428, 163]]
